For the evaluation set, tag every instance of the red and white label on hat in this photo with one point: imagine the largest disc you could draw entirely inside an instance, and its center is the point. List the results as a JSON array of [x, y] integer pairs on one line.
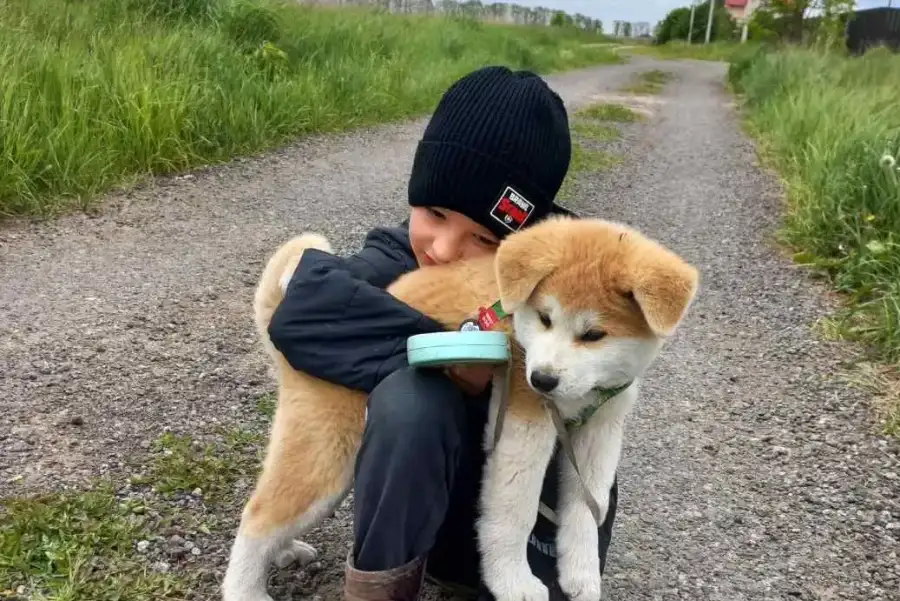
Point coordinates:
[[512, 209]]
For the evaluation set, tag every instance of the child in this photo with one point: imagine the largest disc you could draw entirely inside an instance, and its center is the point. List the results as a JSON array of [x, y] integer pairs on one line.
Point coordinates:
[[418, 472]]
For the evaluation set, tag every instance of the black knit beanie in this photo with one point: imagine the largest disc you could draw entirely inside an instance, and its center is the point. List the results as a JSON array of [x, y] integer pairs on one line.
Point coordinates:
[[497, 150]]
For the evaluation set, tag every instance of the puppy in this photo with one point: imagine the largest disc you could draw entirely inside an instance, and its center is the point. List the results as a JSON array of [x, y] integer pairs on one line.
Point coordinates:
[[591, 303]]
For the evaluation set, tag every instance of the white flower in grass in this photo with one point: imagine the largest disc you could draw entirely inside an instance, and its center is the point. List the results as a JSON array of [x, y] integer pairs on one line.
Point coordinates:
[[888, 161]]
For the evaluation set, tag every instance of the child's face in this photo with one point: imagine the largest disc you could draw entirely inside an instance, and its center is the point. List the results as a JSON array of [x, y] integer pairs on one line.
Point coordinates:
[[441, 236]]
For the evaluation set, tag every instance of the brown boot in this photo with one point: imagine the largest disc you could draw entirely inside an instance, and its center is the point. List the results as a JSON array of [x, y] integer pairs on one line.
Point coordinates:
[[399, 584]]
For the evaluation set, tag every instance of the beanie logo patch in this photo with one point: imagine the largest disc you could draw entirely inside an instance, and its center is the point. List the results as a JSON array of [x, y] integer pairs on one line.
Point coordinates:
[[512, 209]]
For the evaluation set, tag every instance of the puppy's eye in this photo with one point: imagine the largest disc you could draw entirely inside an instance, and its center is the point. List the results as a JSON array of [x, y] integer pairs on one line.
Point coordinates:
[[545, 319], [592, 336]]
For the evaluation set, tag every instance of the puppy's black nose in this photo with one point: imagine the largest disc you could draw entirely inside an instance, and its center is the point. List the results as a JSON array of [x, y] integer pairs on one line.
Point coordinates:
[[544, 382]]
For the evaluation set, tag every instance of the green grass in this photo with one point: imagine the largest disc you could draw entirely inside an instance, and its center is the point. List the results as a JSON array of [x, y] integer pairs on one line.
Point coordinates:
[[266, 404], [595, 131], [830, 125], [648, 82], [98, 94], [181, 465], [84, 544], [715, 51], [609, 111], [76, 546]]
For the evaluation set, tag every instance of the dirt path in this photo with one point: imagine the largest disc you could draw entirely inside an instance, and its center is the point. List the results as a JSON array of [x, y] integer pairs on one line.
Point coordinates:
[[750, 471]]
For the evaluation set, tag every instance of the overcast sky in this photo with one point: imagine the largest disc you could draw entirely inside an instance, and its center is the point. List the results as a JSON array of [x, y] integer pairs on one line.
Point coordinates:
[[650, 11]]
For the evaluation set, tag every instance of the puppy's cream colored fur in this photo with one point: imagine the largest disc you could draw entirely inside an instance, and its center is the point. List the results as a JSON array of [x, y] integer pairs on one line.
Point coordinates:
[[591, 303]]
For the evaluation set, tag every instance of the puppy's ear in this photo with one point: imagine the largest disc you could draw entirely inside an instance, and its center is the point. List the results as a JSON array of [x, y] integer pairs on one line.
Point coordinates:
[[524, 259], [664, 286]]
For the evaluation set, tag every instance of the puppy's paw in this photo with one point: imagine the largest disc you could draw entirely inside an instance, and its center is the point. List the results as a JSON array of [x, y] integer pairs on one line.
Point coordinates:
[[524, 588], [581, 586], [296, 551]]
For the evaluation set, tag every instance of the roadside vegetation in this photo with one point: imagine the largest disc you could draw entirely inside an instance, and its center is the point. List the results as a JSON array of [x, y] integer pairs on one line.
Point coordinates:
[[679, 50], [829, 124], [97, 94], [648, 82], [143, 536]]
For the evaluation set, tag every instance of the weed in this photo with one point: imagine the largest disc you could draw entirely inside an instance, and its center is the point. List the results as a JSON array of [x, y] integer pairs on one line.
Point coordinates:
[[180, 464], [648, 82], [595, 131], [606, 111], [87, 544], [265, 405], [79, 545]]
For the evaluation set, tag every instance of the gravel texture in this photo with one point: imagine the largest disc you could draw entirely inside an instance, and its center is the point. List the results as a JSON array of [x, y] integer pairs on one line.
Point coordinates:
[[751, 470]]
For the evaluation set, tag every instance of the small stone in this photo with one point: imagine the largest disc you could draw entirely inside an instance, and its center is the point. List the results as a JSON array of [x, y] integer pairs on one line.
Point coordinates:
[[143, 545], [892, 526], [197, 492], [314, 568], [160, 566], [195, 551], [176, 541]]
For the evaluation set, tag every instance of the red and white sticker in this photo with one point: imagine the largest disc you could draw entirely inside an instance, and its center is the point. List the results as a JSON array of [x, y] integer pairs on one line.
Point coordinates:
[[512, 209]]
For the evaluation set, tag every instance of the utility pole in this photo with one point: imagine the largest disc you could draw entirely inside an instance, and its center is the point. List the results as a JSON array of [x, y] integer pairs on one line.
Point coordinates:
[[712, 9], [691, 28], [748, 12]]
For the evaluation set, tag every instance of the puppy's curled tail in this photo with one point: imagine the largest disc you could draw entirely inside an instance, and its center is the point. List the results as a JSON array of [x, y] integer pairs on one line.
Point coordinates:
[[276, 276]]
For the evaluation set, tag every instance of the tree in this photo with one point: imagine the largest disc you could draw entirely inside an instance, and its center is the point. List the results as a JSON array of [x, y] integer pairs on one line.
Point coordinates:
[[677, 24], [561, 19], [793, 15]]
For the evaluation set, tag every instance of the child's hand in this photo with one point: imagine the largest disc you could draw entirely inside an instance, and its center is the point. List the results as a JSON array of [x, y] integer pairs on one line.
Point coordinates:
[[472, 379]]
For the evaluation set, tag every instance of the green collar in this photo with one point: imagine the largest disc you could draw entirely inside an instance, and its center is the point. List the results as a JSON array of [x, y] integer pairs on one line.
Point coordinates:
[[603, 395]]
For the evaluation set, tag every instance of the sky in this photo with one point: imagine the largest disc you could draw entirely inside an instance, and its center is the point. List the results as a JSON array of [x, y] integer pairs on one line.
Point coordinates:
[[650, 11]]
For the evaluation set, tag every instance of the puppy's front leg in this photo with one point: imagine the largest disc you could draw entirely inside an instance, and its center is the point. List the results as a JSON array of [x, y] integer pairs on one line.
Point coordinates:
[[597, 448], [511, 490]]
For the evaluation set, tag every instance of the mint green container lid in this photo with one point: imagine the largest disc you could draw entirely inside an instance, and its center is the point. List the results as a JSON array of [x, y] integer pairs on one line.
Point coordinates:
[[457, 348]]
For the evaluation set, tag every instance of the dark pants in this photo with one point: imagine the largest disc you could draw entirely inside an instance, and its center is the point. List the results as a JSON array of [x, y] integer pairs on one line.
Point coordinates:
[[418, 476]]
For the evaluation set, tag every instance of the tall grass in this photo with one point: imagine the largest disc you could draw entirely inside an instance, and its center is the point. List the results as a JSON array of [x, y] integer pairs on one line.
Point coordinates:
[[831, 126], [94, 92]]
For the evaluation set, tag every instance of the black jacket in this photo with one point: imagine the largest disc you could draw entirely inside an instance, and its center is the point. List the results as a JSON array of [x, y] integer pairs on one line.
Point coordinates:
[[338, 323]]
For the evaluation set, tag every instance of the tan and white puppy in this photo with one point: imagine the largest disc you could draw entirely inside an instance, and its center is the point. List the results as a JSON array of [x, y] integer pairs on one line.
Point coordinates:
[[591, 301]]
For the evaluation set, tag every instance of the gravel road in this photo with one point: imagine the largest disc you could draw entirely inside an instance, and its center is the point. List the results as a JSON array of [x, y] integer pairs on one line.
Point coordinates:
[[751, 470]]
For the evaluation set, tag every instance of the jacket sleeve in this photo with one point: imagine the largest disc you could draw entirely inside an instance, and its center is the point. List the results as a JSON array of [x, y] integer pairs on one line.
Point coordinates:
[[338, 323]]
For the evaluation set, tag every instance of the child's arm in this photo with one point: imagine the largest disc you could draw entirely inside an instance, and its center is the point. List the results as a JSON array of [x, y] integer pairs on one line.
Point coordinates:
[[337, 323]]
